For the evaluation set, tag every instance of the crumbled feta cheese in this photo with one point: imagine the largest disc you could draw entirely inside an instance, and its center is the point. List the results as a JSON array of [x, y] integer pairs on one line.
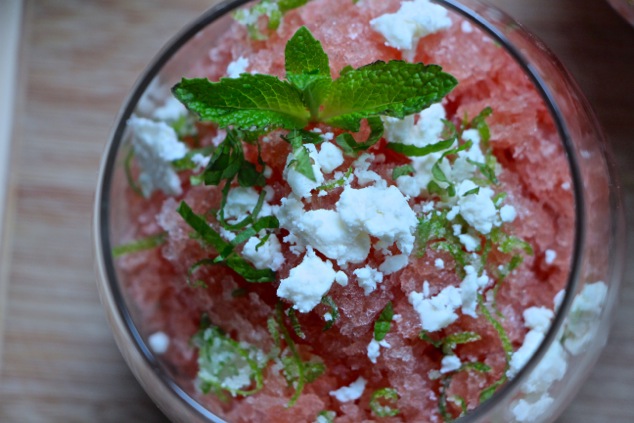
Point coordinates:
[[240, 203], [470, 242], [300, 183], [532, 341], [439, 263], [364, 175], [382, 213], [156, 145], [159, 342], [266, 256], [550, 256], [413, 21], [368, 278], [427, 130], [326, 231], [307, 283], [450, 363], [200, 161], [437, 312], [466, 27], [341, 278], [565, 186], [526, 411], [237, 67], [393, 264], [507, 213], [330, 157], [171, 111], [538, 318], [374, 349], [585, 313], [350, 393], [328, 317], [470, 287], [477, 209]]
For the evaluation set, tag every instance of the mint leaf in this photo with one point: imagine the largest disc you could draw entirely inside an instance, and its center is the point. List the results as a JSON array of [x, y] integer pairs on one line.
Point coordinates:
[[413, 151], [351, 147], [141, 244], [248, 102], [213, 238], [306, 60], [394, 89], [384, 322], [383, 402], [301, 162], [403, 170], [334, 311]]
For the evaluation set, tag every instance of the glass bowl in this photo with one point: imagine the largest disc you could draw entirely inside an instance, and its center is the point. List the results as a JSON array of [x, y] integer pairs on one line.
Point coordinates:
[[625, 8], [580, 327]]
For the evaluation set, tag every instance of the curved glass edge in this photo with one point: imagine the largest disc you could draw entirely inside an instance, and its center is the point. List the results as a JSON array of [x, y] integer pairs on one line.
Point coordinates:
[[625, 8], [113, 298]]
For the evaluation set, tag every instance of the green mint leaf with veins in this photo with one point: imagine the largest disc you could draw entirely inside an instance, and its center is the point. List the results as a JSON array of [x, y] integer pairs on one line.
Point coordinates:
[[248, 102], [305, 59], [394, 89], [263, 102], [302, 162]]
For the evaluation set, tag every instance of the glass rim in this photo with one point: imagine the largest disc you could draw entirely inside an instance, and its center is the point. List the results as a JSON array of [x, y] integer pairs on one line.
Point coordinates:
[[101, 235]]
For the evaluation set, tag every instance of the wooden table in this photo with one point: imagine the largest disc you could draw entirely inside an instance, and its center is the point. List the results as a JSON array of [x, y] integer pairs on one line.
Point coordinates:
[[78, 59]]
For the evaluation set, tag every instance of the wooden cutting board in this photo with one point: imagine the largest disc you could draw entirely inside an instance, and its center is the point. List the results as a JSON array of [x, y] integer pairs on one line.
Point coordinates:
[[78, 59]]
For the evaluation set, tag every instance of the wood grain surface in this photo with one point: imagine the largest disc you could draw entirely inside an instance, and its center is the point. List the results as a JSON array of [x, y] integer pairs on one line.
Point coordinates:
[[78, 60]]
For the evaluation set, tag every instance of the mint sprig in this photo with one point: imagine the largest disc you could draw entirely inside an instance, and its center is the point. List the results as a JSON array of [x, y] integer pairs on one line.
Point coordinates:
[[384, 322], [264, 102]]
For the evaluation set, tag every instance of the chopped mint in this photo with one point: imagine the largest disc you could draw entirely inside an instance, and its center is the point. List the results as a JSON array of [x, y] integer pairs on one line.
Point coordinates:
[[127, 165], [302, 162], [403, 170], [337, 182], [334, 311], [383, 402], [413, 151], [212, 238], [296, 371], [297, 327], [146, 243], [384, 322], [226, 365], [274, 10], [351, 147], [326, 416]]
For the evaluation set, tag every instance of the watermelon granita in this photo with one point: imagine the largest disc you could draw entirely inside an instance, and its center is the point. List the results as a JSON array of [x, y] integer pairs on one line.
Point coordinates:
[[367, 215]]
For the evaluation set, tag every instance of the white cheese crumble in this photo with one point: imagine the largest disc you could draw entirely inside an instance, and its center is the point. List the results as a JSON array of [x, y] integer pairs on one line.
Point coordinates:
[[477, 209], [450, 363], [159, 342], [350, 393], [437, 312], [237, 67], [585, 313], [382, 213], [307, 283], [300, 183], [266, 256], [413, 21], [374, 349], [368, 278], [439, 263], [507, 213], [550, 256], [471, 285], [466, 27], [537, 319], [171, 111], [330, 157], [156, 145], [341, 278], [393, 264], [240, 203]]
